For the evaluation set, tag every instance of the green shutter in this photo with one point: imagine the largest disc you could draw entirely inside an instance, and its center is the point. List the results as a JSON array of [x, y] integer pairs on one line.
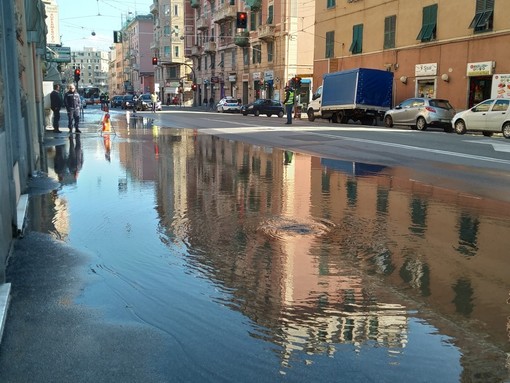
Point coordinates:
[[253, 21], [357, 39], [270, 14]]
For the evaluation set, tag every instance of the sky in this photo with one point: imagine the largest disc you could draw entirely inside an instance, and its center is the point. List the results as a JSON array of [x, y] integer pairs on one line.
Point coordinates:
[[90, 23]]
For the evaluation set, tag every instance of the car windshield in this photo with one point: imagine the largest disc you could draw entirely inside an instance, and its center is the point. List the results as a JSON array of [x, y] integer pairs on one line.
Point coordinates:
[[128, 97], [443, 104], [146, 97]]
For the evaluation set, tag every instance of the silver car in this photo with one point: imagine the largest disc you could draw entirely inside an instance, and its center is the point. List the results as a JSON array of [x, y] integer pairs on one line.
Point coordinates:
[[489, 117], [420, 113]]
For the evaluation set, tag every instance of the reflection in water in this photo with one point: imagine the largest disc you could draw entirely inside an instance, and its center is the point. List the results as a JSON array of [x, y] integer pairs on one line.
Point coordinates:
[[315, 254]]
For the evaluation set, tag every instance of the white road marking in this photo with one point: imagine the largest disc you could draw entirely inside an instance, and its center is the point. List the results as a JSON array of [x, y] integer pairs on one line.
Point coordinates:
[[498, 147], [381, 143]]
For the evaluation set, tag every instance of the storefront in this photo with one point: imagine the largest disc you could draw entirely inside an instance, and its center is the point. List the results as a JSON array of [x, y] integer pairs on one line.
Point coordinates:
[[426, 77], [480, 81]]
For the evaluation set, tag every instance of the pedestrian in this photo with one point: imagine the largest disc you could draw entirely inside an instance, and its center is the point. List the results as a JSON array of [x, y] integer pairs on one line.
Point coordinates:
[[211, 103], [72, 102], [135, 101], [205, 103], [56, 105], [168, 100], [154, 100], [290, 96]]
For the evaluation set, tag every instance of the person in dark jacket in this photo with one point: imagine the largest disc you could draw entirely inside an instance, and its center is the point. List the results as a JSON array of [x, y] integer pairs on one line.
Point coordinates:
[[290, 97], [72, 102], [56, 105]]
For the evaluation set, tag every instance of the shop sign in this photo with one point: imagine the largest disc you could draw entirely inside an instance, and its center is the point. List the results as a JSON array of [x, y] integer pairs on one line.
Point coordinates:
[[215, 79], [232, 78], [256, 76], [500, 86], [425, 69], [480, 69], [268, 75], [246, 77]]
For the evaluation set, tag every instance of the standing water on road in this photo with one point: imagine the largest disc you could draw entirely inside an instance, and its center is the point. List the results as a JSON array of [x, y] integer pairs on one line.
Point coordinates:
[[264, 265]]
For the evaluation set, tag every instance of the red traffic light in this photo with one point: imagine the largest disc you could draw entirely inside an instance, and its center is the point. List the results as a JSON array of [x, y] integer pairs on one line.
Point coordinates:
[[154, 60], [194, 87], [242, 20], [77, 72]]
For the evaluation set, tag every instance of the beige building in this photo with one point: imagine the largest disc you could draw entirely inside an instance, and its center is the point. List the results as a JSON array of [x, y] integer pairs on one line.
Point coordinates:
[[436, 48], [94, 65], [252, 62], [172, 66]]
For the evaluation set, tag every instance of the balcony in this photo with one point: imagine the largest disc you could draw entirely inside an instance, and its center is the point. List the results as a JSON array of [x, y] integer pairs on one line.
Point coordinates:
[[266, 32], [195, 3], [242, 39], [196, 50], [210, 46], [224, 13], [202, 23], [254, 4]]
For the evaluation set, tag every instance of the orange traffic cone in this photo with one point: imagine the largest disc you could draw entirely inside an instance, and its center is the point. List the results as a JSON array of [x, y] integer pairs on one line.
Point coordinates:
[[107, 125]]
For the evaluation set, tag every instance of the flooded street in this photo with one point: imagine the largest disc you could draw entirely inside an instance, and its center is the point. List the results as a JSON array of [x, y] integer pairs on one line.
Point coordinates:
[[260, 264]]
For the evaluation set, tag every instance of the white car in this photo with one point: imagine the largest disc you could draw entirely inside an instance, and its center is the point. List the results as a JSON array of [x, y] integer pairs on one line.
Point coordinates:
[[489, 117], [228, 104]]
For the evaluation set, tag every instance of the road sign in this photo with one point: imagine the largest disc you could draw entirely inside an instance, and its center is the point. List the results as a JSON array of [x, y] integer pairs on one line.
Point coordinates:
[[57, 53]]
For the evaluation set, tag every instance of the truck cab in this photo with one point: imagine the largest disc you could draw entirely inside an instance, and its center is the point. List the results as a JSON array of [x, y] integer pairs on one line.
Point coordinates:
[[314, 108]]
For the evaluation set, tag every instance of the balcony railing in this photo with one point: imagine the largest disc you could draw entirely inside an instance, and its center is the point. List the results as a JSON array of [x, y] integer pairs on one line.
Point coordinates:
[[210, 46], [242, 39], [226, 12], [202, 23], [196, 50], [195, 3], [266, 32]]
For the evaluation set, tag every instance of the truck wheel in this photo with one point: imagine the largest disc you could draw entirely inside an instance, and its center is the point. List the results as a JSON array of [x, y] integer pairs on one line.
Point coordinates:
[[421, 124], [367, 121], [310, 115], [388, 122], [334, 118]]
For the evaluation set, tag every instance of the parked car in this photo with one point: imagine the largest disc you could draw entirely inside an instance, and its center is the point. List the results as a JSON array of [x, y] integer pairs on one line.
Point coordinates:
[[489, 117], [420, 113], [127, 101], [116, 101], [229, 104], [263, 106]]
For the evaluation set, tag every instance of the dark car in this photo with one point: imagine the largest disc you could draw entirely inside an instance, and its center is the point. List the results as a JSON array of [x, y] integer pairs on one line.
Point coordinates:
[[263, 106], [116, 101], [127, 101]]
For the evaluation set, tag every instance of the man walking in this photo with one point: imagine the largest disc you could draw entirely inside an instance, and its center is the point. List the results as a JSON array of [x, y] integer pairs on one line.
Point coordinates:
[[56, 105], [154, 100], [290, 96]]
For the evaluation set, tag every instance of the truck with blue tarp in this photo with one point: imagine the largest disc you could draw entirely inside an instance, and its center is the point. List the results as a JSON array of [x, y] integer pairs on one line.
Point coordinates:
[[361, 94]]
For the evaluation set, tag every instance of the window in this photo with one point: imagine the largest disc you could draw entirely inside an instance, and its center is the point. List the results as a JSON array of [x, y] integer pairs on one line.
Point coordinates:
[[389, 31], [176, 51], [270, 14], [246, 56], [484, 15], [253, 21], [501, 106], [330, 44], [166, 51], [429, 22], [330, 3], [166, 30], [176, 10], [256, 54], [357, 39], [270, 50]]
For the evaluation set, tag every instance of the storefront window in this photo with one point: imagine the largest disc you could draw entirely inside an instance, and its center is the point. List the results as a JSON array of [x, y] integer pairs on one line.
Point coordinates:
[[479, 89], [426, 88]]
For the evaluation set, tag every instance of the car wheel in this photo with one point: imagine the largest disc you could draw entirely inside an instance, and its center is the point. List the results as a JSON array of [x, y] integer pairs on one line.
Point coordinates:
[[268, 114], [310, 115], [245, 113], [487, 134], [506, 130], [256, 112], [421, 124], [280, 114], [388, 121], [460, 127]]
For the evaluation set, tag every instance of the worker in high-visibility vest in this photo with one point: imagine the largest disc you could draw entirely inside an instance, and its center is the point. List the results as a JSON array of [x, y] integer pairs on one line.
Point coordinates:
[[290, 97]]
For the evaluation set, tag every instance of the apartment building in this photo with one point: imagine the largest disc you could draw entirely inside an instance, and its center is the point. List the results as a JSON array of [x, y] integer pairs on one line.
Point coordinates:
[[94, 65], [436, 48], [172, 67], [252, 62]]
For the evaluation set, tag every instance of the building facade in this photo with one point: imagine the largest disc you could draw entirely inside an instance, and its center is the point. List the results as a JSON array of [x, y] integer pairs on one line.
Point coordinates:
[[436, 48], [94, 65], [172, 68], [252, 62]]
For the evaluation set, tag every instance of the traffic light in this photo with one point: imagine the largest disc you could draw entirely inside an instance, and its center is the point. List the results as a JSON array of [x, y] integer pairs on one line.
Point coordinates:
[[77, 73], [154, 60], [117, 37], [194, 87], [242, 20]]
